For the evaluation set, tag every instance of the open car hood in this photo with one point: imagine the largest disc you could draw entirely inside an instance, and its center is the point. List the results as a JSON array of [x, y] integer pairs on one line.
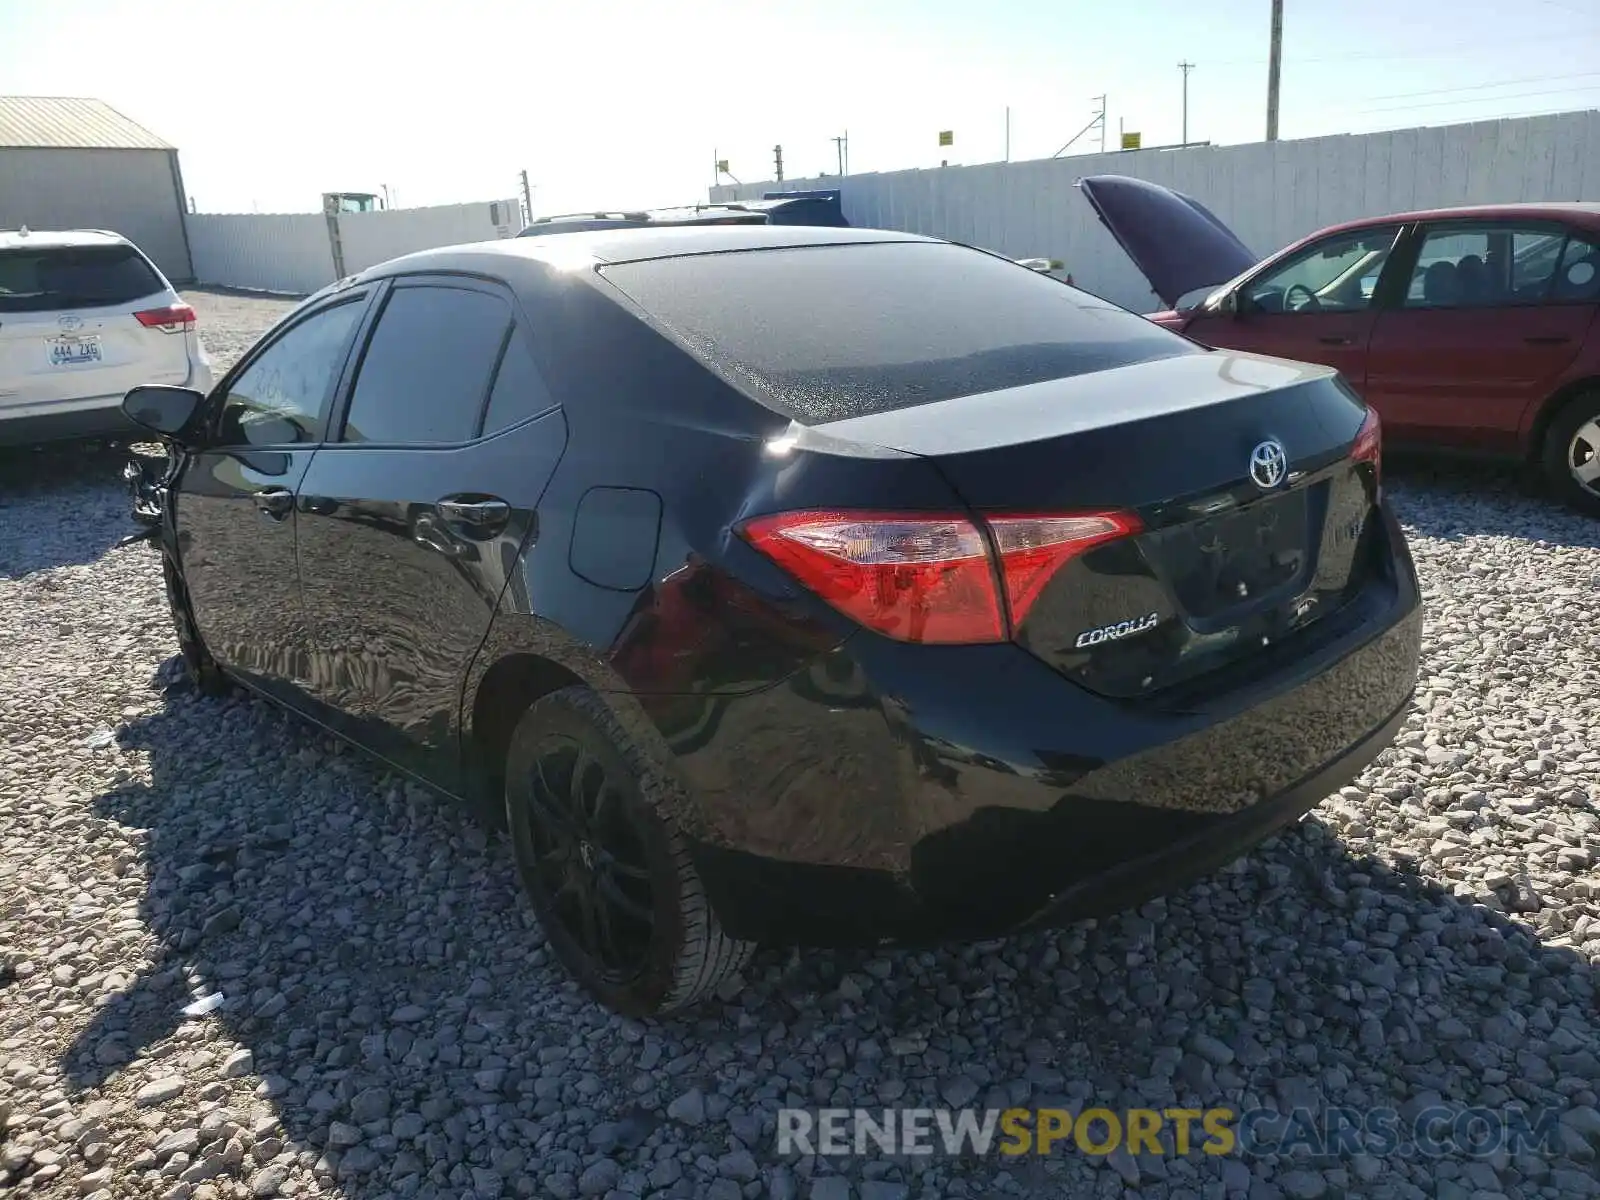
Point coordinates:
[[1177, 243]]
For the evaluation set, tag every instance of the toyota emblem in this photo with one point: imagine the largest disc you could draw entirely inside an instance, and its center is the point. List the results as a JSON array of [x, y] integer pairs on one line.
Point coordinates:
[[1268, 464], [68, 321]]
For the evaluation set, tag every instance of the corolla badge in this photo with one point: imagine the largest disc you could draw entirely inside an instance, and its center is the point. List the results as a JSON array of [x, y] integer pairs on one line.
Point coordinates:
[[69, 322], [1269, 464], [1118, 631]]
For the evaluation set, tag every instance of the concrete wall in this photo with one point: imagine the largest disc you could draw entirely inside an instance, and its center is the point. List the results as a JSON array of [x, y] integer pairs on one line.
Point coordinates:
[[1270, 193], [293, 252], [372, 238], [273, 252], [131, 192]]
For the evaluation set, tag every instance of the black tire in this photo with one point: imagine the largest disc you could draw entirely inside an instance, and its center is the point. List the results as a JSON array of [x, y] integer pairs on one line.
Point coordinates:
[[1567, 446], [588, 810], [198, 664]]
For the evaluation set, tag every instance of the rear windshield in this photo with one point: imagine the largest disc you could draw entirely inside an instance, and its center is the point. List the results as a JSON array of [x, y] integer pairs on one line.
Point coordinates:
[[73, 277], [825, 333]]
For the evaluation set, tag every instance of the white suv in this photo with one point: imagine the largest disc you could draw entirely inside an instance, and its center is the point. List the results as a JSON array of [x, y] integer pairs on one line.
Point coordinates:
[[85, 316]]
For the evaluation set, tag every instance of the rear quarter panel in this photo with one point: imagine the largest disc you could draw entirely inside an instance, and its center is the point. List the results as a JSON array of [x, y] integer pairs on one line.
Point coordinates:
[[661, 460]]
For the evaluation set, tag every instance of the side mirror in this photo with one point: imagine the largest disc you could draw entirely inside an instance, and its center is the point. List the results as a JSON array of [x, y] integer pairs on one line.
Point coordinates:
[[162, 409], [1043, 265], [1231, 304]]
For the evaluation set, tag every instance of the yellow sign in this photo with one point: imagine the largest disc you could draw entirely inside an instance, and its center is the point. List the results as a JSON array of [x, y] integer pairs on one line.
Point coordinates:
[[1130, 141], [722, 166], [947, 137]]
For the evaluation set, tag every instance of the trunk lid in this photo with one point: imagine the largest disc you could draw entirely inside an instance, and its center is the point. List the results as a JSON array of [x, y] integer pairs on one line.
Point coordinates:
[[1178, 244], [47, 356], [1223, 568]]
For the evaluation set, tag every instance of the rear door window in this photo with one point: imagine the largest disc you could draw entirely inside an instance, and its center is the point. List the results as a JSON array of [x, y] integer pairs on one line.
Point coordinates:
[[1485, 266], [519, 390], [825, 333], [426, 372], [57, 277], [1578, 278]]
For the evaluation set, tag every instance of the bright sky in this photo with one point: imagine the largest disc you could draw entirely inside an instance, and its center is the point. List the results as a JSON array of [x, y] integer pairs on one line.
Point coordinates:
[[623, 102]]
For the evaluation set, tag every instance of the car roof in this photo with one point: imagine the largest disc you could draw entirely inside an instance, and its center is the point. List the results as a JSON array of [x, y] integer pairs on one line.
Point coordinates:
[[599, 246], [51, 239], [754, 206], [1571, 211], [679, 212], [598, 215], [660, 217]]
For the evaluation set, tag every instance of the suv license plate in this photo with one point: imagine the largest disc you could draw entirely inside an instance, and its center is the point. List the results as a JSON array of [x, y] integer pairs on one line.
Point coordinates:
[[69, 352]]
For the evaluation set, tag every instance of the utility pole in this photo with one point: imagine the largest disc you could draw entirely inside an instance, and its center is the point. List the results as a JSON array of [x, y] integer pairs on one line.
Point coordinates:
[[777, 158], [1186, 67], [1099, 119], [527, 195], [1274, 70], [840, 144], [1008, 133]]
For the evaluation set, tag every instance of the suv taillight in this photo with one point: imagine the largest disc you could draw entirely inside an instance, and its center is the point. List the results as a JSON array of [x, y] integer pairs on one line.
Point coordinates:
[[924, 577], [175, 318], [1368, 446]]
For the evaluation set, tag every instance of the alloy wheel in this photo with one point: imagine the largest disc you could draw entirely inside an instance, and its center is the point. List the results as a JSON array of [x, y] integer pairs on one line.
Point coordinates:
[[1583, 456], [590, 859]]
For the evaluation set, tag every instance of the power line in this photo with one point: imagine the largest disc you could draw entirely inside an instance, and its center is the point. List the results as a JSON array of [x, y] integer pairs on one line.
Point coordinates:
[[1477, 100], [1589, 16], [1479, 87], [1384, 127], [1451, 51]]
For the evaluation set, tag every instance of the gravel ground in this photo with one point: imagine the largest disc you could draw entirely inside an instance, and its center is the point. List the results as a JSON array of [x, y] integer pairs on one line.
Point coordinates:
[[392, 1024]]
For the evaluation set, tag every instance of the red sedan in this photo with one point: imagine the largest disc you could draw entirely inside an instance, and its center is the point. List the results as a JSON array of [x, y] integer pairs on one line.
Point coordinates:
[[1468, 329]]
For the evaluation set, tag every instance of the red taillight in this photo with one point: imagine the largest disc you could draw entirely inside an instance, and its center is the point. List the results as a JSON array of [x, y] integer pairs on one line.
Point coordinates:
[[1032, 549], [914, 577], [1368, 446], [920, 577], [175, 318]]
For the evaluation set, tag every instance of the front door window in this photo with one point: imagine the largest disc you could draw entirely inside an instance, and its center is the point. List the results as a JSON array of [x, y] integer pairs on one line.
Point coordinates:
[[1338, 274], [280, 398]]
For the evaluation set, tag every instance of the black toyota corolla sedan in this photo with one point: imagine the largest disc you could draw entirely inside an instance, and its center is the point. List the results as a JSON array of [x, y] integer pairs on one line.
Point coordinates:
[[794, 585]]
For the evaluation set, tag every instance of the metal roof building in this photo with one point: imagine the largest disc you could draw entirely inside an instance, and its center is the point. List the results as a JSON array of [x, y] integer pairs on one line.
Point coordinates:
[[68, 162]]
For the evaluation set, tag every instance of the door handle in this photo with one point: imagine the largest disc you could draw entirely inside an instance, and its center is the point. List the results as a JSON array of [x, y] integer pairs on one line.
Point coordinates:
[[275, 502], [1553, 340], [1334, 341], [476, 517]]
